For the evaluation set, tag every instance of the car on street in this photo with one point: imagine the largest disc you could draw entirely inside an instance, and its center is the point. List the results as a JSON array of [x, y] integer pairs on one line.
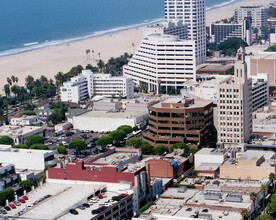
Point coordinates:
[[73, 212]]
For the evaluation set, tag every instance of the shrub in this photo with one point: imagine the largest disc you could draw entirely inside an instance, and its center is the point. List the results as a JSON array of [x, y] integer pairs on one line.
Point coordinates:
[[134, 142], [146, 149], [39, 147], [161, 149], [34, 139], [6, 140]]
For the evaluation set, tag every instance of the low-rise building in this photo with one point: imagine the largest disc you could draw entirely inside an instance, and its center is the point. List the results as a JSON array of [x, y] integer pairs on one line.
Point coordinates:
[[25, 120], [19, 134], [8, 176], [252, 165], [101, 121], [88, 84], [114, 166], [177, 120], [27, 158]]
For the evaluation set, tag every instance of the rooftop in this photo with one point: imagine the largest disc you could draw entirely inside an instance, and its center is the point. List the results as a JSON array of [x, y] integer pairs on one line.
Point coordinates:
[[198, 103], [13, 130], [112, 114], [8, 148], [211, 151]]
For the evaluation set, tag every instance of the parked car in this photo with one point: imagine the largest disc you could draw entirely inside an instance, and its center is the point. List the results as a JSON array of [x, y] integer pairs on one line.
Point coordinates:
[[47, 196], [73, 212], [86, 205], [25, 197], [17, 203], [7, 208], [82, 207], [95, 211], [124, 194], [100, 196], [117, 198], [12, 206], [3, 211], [21, 200]]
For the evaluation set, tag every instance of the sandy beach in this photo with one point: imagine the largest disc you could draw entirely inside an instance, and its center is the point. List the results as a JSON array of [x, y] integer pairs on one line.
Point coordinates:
[[49, 61]]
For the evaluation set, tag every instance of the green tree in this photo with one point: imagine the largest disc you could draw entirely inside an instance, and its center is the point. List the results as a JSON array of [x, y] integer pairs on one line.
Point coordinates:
[[244, 213], [117, 134], [7, 90], [126, 128], [28, 112], [34, 139], [271, 206], [60, 149], [253, 198], [5, 194], [60, 78], [269, 49], [6, 140], [77, 144], [39, 147], [101, 65], [21, 146], [161, 149], [135, 128], [134, 142], [104, 140], [264, 190], [146, 149], [272, 178], [182, 146], [26, 184], [193, 150]]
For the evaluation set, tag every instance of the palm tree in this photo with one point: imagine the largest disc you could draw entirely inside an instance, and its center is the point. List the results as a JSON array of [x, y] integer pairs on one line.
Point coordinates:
[[244, 213], [13, 79], [43, 80], [87, 54], [101, 65], [7, 90], [253, 198], [9, 81], [29, 82], [264, 190], [272, 177], [16, 80], [60, 78]]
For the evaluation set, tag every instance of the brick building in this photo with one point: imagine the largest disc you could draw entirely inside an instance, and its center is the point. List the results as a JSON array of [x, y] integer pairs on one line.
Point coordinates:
[[176, 120]]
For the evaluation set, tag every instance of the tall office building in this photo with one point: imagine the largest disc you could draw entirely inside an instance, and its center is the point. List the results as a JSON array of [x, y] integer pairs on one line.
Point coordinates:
[[235, 105], [162, 63], [259, 15], [192, 14]]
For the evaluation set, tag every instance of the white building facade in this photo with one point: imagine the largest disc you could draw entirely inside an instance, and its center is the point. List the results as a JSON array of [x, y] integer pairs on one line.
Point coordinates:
[[88, 84], [192, 14], [162, 63], [234, 106], [258, 13]]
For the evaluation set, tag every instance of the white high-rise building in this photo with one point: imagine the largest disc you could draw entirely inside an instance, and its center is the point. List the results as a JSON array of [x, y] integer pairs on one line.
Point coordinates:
[[88, 84], [192, 14], [235, 105], [258, 13], [162, 63]]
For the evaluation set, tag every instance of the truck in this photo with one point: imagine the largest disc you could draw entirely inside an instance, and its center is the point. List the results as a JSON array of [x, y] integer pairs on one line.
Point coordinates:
[[63, 126]]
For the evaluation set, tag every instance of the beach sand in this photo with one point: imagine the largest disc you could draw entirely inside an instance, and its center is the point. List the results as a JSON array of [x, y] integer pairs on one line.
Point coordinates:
[[49, 61]]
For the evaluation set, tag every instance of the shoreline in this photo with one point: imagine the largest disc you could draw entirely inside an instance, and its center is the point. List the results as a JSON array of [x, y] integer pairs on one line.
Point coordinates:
[[50, 60]]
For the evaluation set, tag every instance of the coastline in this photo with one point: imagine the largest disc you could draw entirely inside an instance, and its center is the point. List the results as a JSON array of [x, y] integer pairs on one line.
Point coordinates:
[[49, 61]]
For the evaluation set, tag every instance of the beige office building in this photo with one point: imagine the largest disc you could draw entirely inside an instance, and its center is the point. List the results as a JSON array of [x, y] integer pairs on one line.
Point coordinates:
[[235, 105], [264, 62]]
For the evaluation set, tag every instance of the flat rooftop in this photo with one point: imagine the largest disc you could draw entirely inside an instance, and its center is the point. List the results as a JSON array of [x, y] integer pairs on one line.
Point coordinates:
[[211, 151], [197, 103], [265, 56], [215, 67], [13, 130], [8, 148], [115, 158], [112, 114]]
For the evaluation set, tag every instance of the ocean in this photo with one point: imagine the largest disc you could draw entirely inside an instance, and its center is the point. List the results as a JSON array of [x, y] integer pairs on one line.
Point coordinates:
[[32, 24]]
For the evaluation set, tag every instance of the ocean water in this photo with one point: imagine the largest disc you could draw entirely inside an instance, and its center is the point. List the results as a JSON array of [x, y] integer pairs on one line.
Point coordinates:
[[31, 24]]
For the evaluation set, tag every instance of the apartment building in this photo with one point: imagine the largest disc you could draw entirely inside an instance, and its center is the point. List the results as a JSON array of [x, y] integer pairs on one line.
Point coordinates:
[[234, 105], [162, 63], [223, 31], [177, 120], [88, 84], [192, 14], [8, 177], [258, 13]]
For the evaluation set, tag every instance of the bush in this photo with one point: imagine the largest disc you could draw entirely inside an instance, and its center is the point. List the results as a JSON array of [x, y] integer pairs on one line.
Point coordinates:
[[21, 146], [104, 140], [161, 149], [193, 150], [6, 140], [145, 207], [39, 147], [6, 194], [60, 149], [34, 139], [134, 142], [146, 149], [126, 128], [26, 184], [182, 146]]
